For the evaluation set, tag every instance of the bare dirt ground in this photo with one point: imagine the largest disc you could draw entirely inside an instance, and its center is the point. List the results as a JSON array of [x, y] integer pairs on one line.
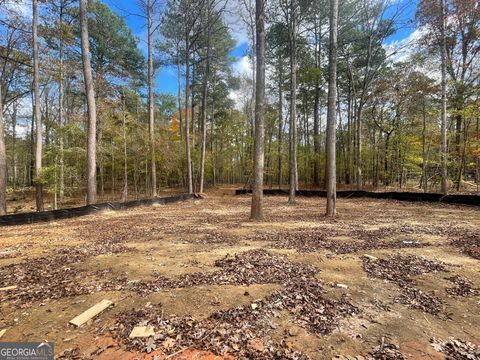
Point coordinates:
[[216, 286]]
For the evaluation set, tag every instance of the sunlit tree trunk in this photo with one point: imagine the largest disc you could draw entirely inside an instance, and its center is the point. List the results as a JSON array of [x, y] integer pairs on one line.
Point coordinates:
[[444, 101], [36, 110], [125, 159], [331, 115], [257, 193], [61, 112], [151, 103], [3, 161], [14, 145], [293, 101], [204, 100], [92, 111], [187, 128]]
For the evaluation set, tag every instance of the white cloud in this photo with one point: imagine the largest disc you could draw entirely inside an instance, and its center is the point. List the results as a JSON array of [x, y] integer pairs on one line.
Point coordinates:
[[234, 18], [20, 7], [401, 50], [243, 66]]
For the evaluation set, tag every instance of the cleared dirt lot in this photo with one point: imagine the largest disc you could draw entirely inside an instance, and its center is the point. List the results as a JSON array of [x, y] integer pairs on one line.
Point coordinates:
[[295, 286]]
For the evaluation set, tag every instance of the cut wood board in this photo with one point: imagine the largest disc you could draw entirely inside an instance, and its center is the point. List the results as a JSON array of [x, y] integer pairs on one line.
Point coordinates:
[[2, 332], [142, 331], [370, 257], [8, 288], [91, 313]]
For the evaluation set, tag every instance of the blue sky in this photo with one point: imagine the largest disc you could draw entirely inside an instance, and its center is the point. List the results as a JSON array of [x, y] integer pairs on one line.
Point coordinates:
[[166, 78]]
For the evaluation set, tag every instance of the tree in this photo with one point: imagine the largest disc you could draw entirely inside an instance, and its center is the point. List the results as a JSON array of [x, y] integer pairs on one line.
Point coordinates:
[[151, 110], [444, 98], [37, 110], [3, 161], [257, 192], [208, 22], [292, 36], [91, 107], [331, 115]]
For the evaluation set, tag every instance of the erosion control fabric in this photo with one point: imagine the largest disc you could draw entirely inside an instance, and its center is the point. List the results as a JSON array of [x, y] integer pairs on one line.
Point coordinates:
[[30, 218], [402, 196]]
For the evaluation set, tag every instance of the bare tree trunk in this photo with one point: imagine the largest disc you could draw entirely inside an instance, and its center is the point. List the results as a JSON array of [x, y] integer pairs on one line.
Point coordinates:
[[3, 161], [477, 175], [358, 152], [443, 136], [331, 115], [61, 111], [293, 101], [187, 129], [36, 109], [92, 111], [61, 119], [125, 159], [257, 193], [424, 182], [151, 109], [204, 100], [14, 145], [179, 96], [280, 124], [316, 107]]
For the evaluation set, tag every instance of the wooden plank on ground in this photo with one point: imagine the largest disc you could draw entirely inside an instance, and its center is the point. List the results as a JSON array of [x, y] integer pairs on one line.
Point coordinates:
[[2, 332], [8, 288], [370, 257], [91, 313], [141, 332]]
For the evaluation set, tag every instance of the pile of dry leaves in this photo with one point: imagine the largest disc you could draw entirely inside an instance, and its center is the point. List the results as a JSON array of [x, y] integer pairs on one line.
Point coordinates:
[[462, 287], [256, 266], [469, 244], [455, 349], [54, 277], [246, 331], [306, 241], [241, 331], [399, 270]]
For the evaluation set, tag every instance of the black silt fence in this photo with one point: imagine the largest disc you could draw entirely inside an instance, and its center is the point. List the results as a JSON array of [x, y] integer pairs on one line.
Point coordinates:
[[43, 216], [401, 196]]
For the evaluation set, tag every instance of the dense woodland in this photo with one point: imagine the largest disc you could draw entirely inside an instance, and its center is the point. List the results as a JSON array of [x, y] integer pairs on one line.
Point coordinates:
[[81, 114]]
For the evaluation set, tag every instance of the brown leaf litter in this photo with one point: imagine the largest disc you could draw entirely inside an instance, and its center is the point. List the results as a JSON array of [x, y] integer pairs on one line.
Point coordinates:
[[455, 349], [462, 287], [245, 331], [256, 266], [399, 270], [306, 241], [54, 277]]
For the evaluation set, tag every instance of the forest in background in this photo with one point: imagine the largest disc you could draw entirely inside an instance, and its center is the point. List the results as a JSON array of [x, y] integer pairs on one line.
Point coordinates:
[[388, 103]]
